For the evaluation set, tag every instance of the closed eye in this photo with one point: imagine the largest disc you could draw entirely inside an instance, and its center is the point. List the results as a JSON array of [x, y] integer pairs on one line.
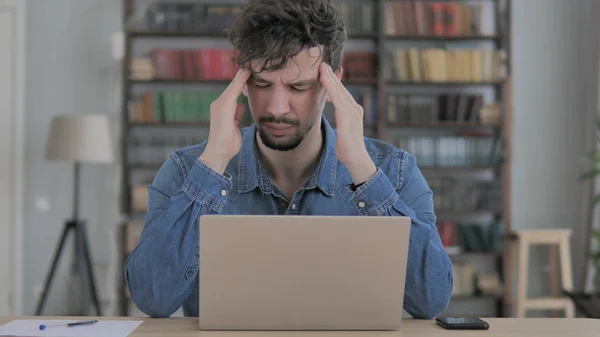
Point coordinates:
[[299, 89], [293, 88]]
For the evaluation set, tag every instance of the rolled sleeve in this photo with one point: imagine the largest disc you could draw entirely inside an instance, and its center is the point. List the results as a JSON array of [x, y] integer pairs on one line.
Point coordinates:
[[206, 186], [376, 195]]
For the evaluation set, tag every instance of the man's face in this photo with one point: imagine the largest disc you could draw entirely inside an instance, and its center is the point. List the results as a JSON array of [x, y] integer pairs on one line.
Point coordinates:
[[287, 103]]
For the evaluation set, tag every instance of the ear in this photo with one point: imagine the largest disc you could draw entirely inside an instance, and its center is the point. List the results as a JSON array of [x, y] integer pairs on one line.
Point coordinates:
[[340, 73], [245, 89]]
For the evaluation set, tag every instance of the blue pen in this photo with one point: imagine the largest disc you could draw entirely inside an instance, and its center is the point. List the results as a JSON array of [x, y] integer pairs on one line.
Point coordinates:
[[68, 325]]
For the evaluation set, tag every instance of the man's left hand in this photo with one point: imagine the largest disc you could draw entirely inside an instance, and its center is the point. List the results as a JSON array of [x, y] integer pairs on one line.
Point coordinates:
[[350, 144]]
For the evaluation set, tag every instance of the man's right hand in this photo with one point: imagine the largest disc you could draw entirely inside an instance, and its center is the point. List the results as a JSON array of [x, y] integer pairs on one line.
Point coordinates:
[[224, 137]]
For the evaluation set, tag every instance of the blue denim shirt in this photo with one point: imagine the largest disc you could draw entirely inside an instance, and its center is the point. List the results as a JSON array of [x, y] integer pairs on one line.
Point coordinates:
[[162, 271]]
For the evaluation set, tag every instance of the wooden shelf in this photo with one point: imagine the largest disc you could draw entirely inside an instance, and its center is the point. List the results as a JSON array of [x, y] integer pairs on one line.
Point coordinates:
[[369, 125], [206, 124], [215, 35], [178, 34], [170, 125], [443, 38], [367, 81], [179, 81], [363, 36], [476, 297], [460, 169], [358, 81], [474, 254], [442, 0], [193, 34], [444, 125], [448, 83], [450, 214]]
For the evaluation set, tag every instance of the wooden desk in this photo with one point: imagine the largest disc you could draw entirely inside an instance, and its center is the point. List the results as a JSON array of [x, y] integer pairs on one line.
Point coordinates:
[[499, 327]]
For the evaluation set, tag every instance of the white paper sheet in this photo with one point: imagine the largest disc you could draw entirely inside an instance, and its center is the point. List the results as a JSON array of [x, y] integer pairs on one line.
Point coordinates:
[[30, 328]]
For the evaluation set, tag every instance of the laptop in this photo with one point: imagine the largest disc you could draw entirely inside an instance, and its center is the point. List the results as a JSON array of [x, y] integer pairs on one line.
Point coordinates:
[[302, 272]]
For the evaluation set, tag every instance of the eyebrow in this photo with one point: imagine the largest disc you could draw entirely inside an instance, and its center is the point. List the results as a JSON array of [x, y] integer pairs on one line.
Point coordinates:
[[301, 83]]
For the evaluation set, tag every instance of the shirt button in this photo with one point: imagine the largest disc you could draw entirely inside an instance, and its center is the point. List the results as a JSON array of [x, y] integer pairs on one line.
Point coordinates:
[[223, 193], [284, 204], [293, 206], [361, 204]]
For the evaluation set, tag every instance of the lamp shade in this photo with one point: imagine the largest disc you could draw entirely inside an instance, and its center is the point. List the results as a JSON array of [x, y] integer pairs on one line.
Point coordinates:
[[81, 138]]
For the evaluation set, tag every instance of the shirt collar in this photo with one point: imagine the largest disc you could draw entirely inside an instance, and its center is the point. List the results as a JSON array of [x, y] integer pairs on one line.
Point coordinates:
[[252, 174]]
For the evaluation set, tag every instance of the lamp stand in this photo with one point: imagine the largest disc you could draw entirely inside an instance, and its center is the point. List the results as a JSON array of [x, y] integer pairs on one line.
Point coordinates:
[[82, 252]]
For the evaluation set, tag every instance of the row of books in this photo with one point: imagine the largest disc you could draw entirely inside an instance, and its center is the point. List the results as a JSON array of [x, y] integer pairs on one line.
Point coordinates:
[[142, 69], [359, 65], [186, 64], [152, 151], [445, 65], [217, 64], [216, 18], [460, 150], [408, 65], [175, 106], [464, 279], [366, 99], [438, 18], [468, 281], [359, 17], [187, 106], [459, 237], [194, 106], [462, 195], [429, 151], [420, 108], [187, 16]]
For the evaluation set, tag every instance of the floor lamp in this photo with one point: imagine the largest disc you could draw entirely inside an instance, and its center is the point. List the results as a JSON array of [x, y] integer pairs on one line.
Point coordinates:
[[77, 139]]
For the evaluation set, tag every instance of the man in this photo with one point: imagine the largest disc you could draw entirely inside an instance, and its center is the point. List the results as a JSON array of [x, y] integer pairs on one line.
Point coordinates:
[[290, 161]]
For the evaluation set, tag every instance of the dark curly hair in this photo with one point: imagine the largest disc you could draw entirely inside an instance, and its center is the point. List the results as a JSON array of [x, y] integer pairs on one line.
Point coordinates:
[[273, 31]]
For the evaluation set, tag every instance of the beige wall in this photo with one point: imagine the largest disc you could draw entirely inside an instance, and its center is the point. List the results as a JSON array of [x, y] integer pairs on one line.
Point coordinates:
[[555, 49], [69, 69]]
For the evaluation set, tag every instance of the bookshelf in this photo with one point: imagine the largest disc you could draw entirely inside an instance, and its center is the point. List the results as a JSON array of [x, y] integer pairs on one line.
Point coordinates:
[[437, 84]]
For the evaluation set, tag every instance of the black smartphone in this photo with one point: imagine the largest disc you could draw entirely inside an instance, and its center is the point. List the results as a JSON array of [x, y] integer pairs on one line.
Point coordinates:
[[462, 323]]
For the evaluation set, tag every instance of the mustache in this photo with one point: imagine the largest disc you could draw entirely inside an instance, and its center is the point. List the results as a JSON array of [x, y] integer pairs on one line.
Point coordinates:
[[280, 120]]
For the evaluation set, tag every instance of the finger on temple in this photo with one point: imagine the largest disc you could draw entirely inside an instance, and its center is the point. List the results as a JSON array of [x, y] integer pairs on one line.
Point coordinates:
[[335, 88], [234, 89]]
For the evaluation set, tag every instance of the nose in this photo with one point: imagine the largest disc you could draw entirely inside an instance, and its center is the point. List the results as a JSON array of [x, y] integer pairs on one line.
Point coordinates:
[[279, 104]]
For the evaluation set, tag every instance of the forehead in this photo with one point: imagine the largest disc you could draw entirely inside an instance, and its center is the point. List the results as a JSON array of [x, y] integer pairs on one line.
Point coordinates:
[[304, 65]]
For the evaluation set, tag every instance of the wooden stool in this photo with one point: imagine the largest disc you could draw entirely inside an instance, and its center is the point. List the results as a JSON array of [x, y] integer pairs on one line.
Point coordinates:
[[556, 238]]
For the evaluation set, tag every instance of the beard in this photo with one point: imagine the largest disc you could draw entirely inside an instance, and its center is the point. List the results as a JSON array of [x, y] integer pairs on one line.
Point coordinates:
[[282, 145]]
